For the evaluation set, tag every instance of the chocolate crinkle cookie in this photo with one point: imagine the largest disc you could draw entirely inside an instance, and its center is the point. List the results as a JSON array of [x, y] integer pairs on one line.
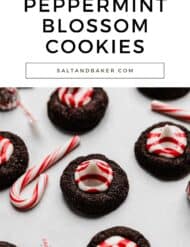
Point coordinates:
[[164, 93], [164, 150], [13, 158], [77, 109], [6, 244], [9, 98], [119, 236], [93, 185]]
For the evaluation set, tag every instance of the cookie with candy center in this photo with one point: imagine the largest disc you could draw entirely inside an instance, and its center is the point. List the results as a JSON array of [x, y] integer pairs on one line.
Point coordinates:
[[119, 237], [13, 158], [164, 93], [6, 244], [163, 150], [94, 185], [77, 109], [9, 98]]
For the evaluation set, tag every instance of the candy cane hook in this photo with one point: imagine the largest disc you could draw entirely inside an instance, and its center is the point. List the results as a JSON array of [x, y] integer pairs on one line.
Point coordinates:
[[38, 171]]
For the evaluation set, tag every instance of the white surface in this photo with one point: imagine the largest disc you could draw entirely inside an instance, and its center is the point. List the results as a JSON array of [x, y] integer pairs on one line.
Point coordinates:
[[158, 209], [167, 40]]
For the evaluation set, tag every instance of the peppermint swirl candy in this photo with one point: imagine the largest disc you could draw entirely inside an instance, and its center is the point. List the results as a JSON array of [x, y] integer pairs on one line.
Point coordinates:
[[6, 149], [168, 141], [9, 98], [117, 241], [93, 176], [75, 97]]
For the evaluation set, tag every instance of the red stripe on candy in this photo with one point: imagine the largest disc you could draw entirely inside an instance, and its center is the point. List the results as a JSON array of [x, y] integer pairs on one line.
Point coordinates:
[[170, 110], [173, 136], [34, 172], [166, 139], [121, 243], [91, 170], [92, 176], [69, 96], [5, 145], [167, 151]]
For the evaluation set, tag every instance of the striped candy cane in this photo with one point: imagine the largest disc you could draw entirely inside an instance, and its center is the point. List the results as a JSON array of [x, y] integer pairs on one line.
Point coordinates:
[[166, 109], [28, 114], [45, 243], [16, 102], [38, 171]]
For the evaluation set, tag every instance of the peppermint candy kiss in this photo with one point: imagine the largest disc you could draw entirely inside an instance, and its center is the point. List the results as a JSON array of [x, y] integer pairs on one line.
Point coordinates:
[[117, 241], [38, 171], [75, 97], [6, 149], [168, 141], [93, 176]]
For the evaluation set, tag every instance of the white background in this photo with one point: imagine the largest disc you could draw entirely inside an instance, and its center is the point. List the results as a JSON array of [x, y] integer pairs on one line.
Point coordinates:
[[22, 41], [158, 209]]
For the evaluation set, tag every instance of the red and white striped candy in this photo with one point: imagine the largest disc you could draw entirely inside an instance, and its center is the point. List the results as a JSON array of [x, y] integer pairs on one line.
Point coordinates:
[[117, 241], [172, 111], [168, 141], [38, 171], [45, 242], [6, 149], [75, 97], [28, 114], [94, 176], [16, 102], [11, 104]]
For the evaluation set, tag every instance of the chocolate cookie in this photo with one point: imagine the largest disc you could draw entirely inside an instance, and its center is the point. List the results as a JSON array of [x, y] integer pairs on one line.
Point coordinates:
[[13, 158], [164, 93], [77, 109], [119, 236], [5, 244], [164, 150], [94, 185], [8, 98]]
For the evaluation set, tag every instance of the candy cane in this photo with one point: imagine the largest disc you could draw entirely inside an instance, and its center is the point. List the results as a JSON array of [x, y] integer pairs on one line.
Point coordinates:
[[175, 112], [16, 102], [28, 114], [38, 171], [45, 243]]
